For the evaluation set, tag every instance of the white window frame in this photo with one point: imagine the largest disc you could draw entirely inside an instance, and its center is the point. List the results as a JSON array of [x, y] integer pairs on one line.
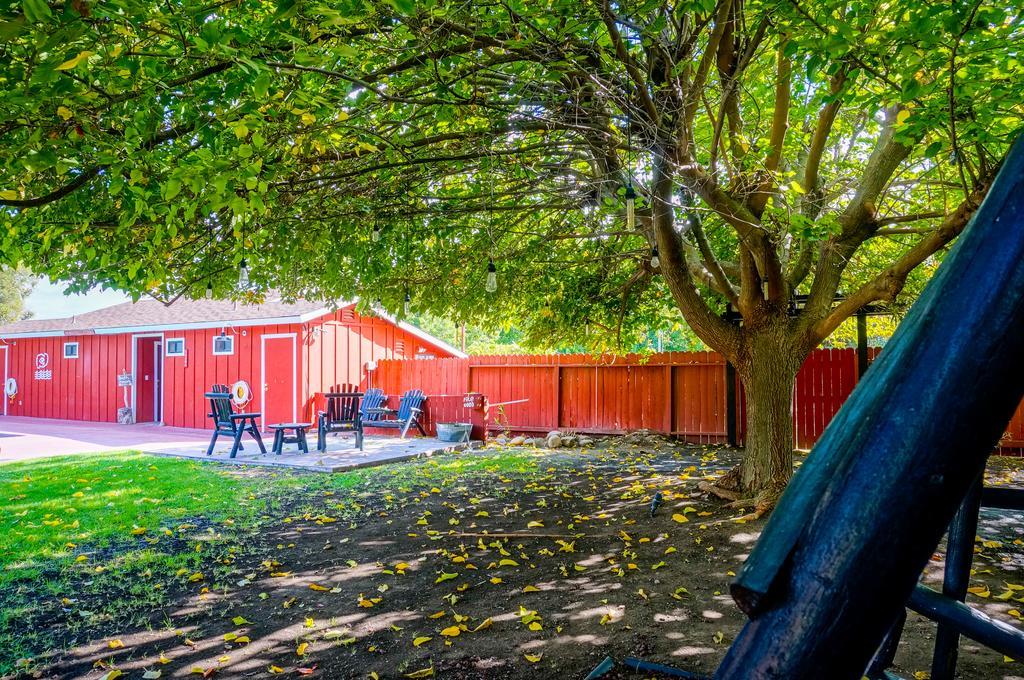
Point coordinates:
[[77, 349], [229, 338], [167, 347]]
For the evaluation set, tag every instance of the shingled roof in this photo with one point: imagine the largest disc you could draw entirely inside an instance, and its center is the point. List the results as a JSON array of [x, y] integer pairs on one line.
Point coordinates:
[[149, 315], [152, 314]]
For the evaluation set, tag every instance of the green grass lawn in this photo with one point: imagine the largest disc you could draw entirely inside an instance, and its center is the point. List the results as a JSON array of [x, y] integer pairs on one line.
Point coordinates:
[[102, 538]]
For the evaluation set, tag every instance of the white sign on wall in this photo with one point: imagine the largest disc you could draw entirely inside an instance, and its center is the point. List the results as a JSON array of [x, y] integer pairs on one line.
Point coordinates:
[[42, 361]]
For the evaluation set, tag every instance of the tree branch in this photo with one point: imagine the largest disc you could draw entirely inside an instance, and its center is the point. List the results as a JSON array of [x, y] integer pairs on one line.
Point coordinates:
[[889, 283]]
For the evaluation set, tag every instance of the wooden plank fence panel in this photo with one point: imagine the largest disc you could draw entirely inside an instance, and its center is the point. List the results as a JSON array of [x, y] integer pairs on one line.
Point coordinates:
[[682, 393]]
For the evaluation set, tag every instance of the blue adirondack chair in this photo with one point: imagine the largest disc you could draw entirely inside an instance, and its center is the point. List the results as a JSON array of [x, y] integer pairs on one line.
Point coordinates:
[[407, 414], [373, 399]]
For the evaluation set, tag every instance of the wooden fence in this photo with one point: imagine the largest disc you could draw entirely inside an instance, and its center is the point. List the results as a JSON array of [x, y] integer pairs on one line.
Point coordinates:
[[679, 393]]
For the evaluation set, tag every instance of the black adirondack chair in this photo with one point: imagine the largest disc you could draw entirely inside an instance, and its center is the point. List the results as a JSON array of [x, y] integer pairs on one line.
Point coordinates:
[[372, 400], [341, 414], [225, 421], [407, 415]]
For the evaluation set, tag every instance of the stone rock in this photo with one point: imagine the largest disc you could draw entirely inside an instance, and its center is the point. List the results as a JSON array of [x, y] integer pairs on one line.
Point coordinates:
[[501, 440], [517, 441], [553, 433], [553, 441], [585, 442], [570, 441]]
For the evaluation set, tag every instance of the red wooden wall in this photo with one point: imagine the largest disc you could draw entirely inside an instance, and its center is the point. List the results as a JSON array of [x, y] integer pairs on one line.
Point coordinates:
[[80, 389], [330, 351]]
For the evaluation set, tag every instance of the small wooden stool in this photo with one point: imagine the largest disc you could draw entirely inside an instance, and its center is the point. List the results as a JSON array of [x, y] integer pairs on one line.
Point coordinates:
[[281, 436]]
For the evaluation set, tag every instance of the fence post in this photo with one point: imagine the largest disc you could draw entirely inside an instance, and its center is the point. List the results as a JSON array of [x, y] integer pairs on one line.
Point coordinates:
[[669, 402], [558, 397], [862, 342], [730, 404]]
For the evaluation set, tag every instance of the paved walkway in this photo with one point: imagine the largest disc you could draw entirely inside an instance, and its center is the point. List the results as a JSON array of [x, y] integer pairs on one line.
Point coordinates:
[[26, 438]]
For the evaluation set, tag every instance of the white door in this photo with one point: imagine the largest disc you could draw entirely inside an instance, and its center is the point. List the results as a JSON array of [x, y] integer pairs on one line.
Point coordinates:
[[3, 349]]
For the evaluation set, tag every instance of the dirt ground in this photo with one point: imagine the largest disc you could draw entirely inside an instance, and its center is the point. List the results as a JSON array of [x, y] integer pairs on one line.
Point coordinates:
[[512, 573]]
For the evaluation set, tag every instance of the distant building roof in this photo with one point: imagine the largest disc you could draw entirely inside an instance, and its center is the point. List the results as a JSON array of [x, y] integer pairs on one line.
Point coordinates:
[[148, 315]]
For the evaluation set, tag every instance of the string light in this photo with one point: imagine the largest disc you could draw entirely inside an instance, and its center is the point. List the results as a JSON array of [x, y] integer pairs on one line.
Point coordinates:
[[408, 303], [243, 274], [655, 260], [209, 290], [630, 206], [375, 234], [492, 277]]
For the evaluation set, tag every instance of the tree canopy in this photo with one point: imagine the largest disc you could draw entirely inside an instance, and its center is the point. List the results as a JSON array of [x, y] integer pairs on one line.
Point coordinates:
[[15, 286], [153, 146]]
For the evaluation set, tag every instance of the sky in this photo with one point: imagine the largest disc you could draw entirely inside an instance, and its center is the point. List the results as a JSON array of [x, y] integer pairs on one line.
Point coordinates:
[[47, 301]]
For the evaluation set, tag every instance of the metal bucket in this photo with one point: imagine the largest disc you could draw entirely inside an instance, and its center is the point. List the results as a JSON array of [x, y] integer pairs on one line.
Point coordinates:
[[454, 432]]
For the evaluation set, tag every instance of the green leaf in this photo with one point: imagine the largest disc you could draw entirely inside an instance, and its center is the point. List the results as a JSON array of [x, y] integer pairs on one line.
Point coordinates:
[[406, 7], [172, 188], [36, 10]]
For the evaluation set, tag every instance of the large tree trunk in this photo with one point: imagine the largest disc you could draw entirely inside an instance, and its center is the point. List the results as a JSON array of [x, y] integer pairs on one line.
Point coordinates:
[[768, 380], [767, 364]]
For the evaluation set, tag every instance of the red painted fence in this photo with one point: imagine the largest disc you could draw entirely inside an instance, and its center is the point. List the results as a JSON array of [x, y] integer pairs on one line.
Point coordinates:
[[678, 393]]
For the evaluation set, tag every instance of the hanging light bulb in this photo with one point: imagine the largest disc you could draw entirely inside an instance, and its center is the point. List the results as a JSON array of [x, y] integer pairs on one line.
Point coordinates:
[[243, 274], [492, 277], [630, 206], [655, 260], [209, 290], [375, 234], [408, 303]]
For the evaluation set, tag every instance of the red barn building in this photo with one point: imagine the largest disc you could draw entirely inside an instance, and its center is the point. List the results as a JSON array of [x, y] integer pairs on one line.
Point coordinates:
[[78, 368]]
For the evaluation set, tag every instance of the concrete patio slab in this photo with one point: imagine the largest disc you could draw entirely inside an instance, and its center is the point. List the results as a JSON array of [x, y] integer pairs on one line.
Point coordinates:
[[27, 438], [340, 455]]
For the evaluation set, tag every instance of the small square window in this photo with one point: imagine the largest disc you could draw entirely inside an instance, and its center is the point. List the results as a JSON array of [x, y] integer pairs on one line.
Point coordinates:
[[175, 347], [70, 350], [224, 344]]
